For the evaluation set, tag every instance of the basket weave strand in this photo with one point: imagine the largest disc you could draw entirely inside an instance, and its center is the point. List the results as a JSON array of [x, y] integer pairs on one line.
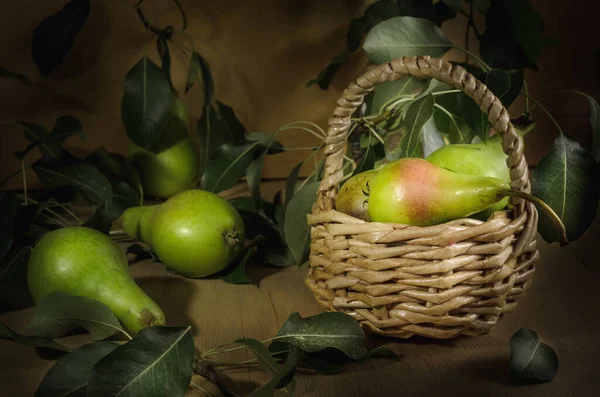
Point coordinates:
[[440, 281]]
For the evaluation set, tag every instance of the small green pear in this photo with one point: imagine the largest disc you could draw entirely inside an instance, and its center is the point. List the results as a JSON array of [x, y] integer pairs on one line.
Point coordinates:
[[414, 191], [352, 199], [194, 233], [84, 262]]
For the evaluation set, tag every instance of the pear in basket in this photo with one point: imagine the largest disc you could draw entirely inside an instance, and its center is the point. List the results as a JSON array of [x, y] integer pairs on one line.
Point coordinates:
[[414, 191]]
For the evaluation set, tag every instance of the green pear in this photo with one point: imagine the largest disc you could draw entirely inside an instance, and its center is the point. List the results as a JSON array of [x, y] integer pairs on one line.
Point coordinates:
[[414, 191], [194, 233], [172, 166], [84, 262], [352, 199]]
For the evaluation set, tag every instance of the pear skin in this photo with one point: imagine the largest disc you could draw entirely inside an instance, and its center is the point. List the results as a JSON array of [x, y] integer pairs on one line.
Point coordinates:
[[352, 199], [413, 191], [137, 222], [84, 262]]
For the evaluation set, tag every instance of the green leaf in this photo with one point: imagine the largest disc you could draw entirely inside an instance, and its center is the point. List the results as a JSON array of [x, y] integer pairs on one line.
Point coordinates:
[[529, 358], [417, 114], [59, 313], [459, 131], [504, 84], [237, 131], [254, 173], [9, 205], [431, 138], [212, 132], [567, 179], [325, 330], [514, 36], [389, 90], [64, 127], [326, 75], [69, 376], [296, 229], [4, 72], [405, 36], [157, 362], [227, 165], [263, 355], [101, 219], [595, 123], [200, 73], [367, 162], [162, 47], [13, 267], [236, 274], [267, 141], [30, 341], [55, 35], [281, 378], [81, 175], [146, 104]]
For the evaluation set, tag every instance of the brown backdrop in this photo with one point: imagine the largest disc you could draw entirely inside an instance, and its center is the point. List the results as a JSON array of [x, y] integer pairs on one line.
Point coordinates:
[[261, 52]]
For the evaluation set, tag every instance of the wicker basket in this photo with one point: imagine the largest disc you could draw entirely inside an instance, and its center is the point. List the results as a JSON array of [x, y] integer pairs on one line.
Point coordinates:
[[439, 281]]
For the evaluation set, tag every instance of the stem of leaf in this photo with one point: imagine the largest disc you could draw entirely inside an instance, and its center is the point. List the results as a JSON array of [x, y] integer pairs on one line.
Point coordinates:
[[24, 179], [444, 110], [214, 351], [372, 131], [558, 92], [201, 389], [303, 129], [537, 103], [483, 65], [526, 91], [17, 172], [308, 123]]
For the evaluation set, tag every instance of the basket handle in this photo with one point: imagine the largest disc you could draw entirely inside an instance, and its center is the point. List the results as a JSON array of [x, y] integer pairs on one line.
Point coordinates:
[[422, 67]]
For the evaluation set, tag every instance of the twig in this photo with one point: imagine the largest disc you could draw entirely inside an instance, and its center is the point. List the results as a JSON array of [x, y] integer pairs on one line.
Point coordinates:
[[208, 372]]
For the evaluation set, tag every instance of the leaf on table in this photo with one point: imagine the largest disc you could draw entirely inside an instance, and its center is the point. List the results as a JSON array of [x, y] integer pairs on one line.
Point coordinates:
[[567, 179], [29, 340], [530, 358], [158, 361], [54, 36], [325, 330], [4, 72], [146, 104], [237, 131], [227, 165], [514, 36], [59, 313], [236, 273], [200, 73], [79, 174], [283, 377], [296, 229], [69, 376], [432, 137], [409, 145], [404, 37], [13, 266], [10, 204]]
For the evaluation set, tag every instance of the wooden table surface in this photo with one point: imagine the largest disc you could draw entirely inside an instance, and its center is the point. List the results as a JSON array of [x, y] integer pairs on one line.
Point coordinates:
[[563, 307]]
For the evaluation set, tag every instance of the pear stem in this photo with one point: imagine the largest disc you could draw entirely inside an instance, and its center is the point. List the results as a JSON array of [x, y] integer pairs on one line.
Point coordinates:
[[545, 207]]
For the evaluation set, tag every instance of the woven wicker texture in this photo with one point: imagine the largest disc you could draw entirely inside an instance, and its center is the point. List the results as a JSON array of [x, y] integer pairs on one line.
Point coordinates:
[[439, 281]]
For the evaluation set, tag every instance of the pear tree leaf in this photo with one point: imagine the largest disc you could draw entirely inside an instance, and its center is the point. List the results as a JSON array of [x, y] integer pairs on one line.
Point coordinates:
[[383, 93], [432, 137], [200, 73], [59, 313], [325, 330], [227, 165], [254, 173], [236, 274], [29, 340], [158, 361], [404, 37], [54, 37], [4, 72], [237, 131], [165, 56], [213, 133], [64, 127], [146, 104], [567, 179], [459, 131], [296, 229], [283, 377], [530, 358], [514, 36], [290, 189], [417, 114], [13, 267], [325, 76], [10, 205], [367, 162], [101, 218], [69, 376], [267, 141], [79, 174], [595, 123]]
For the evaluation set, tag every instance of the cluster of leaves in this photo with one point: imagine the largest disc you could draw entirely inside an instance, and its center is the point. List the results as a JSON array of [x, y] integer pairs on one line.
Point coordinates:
[[412, 117], [160, 360]]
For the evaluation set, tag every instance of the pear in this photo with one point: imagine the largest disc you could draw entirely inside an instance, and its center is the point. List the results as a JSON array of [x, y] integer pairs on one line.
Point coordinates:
[[84, 262], [194, 233], [352, 199], [414, 191]]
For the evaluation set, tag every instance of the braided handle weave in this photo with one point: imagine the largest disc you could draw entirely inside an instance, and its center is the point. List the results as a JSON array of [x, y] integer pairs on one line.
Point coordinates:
[[422, 67]]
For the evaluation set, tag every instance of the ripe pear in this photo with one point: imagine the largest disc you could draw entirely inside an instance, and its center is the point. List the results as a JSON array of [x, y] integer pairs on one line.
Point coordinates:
[[84, 262], [194, 233], [414, 191], [173, 167], [352, 199]]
